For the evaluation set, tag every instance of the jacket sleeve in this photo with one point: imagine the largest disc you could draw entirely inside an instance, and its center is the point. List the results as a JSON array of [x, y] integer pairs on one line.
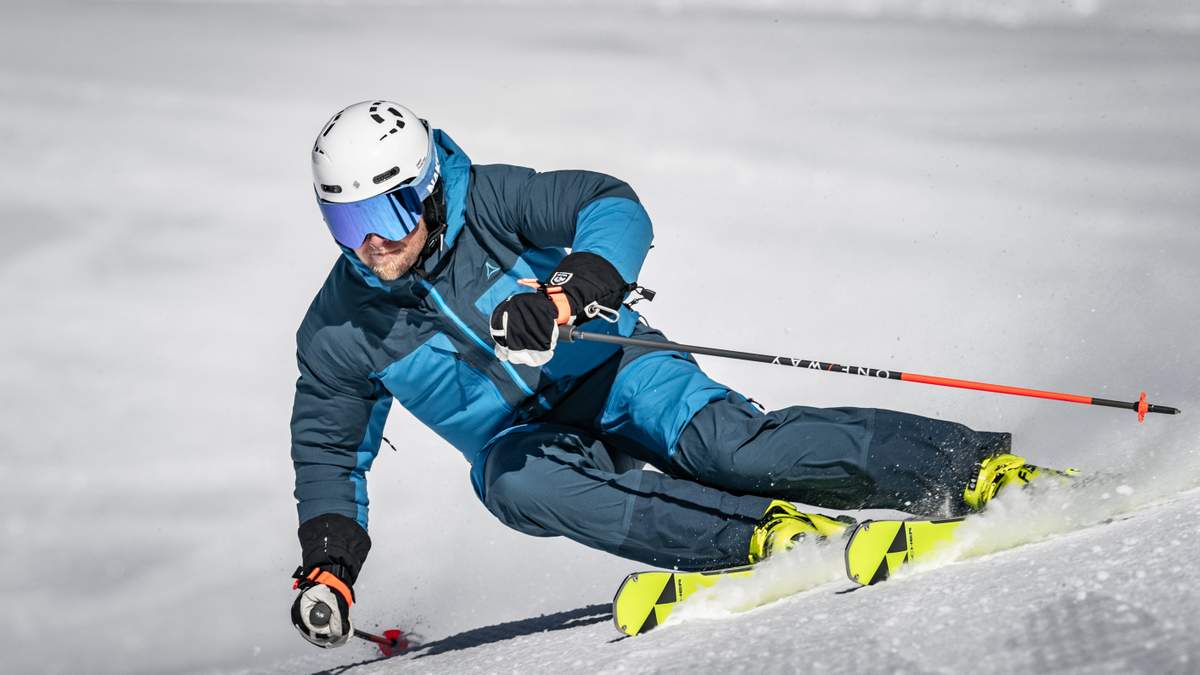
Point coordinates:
[[585, 211], [337, 426]]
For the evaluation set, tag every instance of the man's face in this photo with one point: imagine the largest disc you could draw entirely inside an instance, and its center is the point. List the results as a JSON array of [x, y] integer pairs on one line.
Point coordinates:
[[388, 259]]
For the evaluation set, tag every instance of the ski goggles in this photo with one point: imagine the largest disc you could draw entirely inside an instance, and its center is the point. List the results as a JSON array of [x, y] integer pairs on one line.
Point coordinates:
[[392, 215]]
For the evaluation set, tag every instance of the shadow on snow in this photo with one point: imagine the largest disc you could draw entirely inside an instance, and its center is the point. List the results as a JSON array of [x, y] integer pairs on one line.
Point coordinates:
[[477, 637]]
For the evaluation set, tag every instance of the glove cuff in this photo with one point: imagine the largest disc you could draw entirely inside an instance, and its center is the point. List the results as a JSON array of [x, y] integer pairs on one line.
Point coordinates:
[[332, 541], [327, 577], [585, 278]]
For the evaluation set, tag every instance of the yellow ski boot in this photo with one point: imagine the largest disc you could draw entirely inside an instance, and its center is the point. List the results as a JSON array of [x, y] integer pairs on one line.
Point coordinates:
[[782, 526], [999, 471]]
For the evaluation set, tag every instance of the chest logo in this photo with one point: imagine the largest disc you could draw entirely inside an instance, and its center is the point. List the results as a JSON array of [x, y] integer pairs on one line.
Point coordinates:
[[560, 278], [490, 269]]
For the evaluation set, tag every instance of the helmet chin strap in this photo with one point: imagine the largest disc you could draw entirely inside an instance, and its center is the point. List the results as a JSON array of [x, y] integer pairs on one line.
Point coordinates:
[[435, 225]]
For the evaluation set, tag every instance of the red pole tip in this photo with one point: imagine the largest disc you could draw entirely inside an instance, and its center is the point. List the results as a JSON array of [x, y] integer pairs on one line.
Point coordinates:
[[397, 642], [1142, 408]]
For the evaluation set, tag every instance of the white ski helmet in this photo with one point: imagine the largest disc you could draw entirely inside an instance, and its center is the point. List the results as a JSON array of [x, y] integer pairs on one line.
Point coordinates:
[[373, 165]]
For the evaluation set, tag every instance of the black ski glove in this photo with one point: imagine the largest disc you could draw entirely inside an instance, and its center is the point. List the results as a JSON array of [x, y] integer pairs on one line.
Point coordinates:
[[525, 326], [334, 549]]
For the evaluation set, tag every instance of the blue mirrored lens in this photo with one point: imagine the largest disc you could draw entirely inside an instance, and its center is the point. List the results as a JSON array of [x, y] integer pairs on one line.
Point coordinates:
[[409, 200], [392, 215]]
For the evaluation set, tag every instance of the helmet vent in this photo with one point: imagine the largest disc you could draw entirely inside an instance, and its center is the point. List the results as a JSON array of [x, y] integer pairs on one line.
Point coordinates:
[[331, 189], [330, 127], [374, 110], [399, 123], [390, 173]]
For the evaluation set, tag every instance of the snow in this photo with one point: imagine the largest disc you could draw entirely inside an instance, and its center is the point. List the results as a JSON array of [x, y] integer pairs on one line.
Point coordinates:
[[1097, 600], [918, 189]]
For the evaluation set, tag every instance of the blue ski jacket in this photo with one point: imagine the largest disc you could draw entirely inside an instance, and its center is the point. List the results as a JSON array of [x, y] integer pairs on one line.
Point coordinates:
[[423, 340]]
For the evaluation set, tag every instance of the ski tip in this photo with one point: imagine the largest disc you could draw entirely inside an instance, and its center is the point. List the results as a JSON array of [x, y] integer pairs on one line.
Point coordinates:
[[862, 526], [617, 613]]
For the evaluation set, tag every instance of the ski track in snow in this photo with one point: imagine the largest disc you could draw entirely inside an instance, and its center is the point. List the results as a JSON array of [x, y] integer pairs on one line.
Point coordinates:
[[943, 196], [1013, 519]]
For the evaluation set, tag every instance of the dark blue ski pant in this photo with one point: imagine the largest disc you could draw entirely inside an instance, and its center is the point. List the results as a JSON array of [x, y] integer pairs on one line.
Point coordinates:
[[580, 472]]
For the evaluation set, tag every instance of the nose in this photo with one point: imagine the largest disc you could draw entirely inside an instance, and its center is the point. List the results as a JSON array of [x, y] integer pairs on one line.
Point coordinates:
[[376, 240]]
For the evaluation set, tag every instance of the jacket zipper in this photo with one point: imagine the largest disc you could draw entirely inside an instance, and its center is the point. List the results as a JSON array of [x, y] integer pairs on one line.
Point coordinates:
[[508, 368]]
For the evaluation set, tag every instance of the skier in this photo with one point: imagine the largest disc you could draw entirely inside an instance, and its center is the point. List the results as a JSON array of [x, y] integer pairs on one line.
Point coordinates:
[[427, 305]]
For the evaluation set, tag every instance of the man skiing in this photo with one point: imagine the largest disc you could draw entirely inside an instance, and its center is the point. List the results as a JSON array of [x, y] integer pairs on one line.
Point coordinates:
[[448, 295]]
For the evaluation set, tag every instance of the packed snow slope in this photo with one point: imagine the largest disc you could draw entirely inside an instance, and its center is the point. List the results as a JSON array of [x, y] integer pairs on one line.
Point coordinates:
[[1118, 597], [936, 190]]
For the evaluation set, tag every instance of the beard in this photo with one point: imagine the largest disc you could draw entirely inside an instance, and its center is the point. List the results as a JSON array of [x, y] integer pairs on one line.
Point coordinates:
[[394, 266], [389, 262]]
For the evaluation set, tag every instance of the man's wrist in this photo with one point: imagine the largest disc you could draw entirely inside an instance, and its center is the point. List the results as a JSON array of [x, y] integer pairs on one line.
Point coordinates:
[[562, 305]]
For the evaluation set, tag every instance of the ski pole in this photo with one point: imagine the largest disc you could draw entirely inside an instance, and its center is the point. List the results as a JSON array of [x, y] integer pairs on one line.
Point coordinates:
[[386, 645], [1141, 407], [389, 643]]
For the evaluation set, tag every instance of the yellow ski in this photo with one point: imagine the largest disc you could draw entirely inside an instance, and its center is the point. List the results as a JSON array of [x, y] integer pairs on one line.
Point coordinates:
[[875, 550], [646, 599], [878, 548]]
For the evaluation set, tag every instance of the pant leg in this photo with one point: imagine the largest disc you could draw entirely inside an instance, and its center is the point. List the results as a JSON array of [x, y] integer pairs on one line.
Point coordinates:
[[835, 457], [661, 407], [548, 480]]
